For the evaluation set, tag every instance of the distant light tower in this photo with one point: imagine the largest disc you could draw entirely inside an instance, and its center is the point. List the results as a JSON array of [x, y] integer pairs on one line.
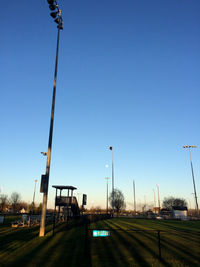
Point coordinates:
[[154, 194], [145, 204], [107, 178], [158, 197], [195, 194], [113, 198], [34, 195], [189, 203], [134, 196]]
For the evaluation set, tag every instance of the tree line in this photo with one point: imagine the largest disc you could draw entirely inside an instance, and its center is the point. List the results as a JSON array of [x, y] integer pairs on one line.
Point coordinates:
[[14, 204]]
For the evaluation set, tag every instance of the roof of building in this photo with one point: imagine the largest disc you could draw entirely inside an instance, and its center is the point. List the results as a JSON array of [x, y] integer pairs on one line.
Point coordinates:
[[64, 187], [179, 208]]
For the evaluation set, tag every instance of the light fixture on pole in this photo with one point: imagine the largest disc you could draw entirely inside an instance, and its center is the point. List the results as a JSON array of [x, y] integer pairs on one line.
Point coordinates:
[[195, 194], [113, 198], [45, 178], [51, 2], [54, 14]]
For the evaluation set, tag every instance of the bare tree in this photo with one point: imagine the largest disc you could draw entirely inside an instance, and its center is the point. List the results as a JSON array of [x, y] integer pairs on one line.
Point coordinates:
[[3, 202], [119, 202], [169, 202], [15, 200]]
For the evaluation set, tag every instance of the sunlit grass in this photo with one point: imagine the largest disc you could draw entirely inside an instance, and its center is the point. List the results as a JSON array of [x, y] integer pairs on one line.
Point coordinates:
[[23, 246], [178, 248]]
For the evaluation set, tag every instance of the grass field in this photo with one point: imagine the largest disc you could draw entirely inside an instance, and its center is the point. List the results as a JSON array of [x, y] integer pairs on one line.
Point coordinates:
[[126, 246]]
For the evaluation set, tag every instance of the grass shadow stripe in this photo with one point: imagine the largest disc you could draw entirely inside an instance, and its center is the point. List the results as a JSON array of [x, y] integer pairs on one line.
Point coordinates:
[[141, 244]]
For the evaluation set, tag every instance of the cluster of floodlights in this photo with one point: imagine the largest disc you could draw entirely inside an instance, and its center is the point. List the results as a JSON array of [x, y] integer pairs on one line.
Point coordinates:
[[56, 14]]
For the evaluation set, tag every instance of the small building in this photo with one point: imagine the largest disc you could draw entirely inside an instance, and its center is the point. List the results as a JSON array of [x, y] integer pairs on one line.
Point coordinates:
[[23, 210], [179, 212], [166, 213], [150, 214]]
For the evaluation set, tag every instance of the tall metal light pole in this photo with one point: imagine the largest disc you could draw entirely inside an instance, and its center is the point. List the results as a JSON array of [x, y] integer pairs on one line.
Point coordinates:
[[195, 194], [154, 194], [34, 196], [134, 196], [113, 198], [158, 197], [45, 178], [107, 178]]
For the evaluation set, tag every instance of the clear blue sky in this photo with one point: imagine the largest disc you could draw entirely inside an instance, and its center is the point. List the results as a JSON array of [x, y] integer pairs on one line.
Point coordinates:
[[128, 76]]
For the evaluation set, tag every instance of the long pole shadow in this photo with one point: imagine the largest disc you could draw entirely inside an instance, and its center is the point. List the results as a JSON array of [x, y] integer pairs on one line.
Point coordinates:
[[130, 238]]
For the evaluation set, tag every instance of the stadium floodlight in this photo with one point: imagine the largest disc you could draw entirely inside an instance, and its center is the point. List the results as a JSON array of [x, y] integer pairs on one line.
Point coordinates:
[[60, 26], [189, 146], [57, 20], [54, 14], [51, 2], [44, 153], [52, 7]]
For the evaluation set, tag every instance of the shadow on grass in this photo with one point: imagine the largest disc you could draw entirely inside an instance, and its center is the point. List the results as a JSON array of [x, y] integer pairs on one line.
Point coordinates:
[[137, 249], [126, 241], [180, 232], [189, 226], [18, 235], [178, 246], [22, 246], [107, 252], [65, 248], [183, 251]]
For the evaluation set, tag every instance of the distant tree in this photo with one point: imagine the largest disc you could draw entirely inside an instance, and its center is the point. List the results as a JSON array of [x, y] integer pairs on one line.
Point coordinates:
[[3, 202], [15, 201], [169, 202], [119, 202]]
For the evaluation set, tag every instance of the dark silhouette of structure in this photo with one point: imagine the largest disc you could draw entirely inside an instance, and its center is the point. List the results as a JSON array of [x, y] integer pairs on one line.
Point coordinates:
[[67, 204]]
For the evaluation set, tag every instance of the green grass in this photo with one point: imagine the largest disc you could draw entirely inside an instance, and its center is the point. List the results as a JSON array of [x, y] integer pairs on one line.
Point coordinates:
[[128, 246], [23, 247], [8, 219]]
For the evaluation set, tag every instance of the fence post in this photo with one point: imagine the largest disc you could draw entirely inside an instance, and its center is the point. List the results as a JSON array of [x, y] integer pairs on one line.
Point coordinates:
[[159, 245]]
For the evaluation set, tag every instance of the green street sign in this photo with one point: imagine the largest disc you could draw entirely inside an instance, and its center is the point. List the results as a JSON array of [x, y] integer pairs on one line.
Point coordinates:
[[101, 233]]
